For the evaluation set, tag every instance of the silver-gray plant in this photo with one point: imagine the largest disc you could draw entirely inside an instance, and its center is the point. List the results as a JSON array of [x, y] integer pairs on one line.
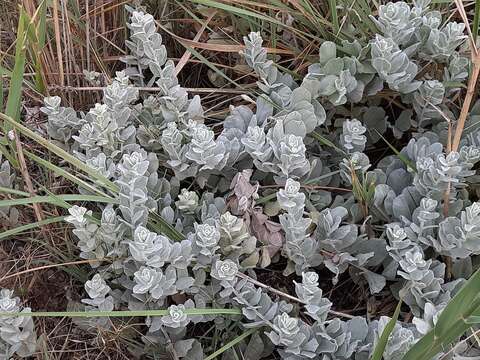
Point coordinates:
[[17, 333], [270, 183]]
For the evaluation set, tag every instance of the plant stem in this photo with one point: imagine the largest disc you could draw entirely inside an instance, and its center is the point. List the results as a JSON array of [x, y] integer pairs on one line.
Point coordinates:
[[231, 343], [472, 81], [120, 313], [285, 295], [26, 176]]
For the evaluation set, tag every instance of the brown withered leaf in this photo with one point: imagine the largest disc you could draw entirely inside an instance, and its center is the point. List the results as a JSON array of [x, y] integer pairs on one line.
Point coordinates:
[[244, 193], [267, 231]]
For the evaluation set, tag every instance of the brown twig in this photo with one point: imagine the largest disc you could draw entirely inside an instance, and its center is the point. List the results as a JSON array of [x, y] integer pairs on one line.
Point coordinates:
[[310, 187], [453, 145], [186, 56], [227, 48], [87, 34], [285, 295], [472, 81], [57, 41], [26, 176], [79, 262]]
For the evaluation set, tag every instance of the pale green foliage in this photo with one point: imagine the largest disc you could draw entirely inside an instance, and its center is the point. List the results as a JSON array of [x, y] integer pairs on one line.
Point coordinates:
[[214, 184], [62, 122], [300, 248], [399, 340], [145, 45], [459, 236], [393, 65], [353, 138], [17, 333], [398, 21], [427, 99], [98, 290], [336, 78], [441, 43], [309, 292]]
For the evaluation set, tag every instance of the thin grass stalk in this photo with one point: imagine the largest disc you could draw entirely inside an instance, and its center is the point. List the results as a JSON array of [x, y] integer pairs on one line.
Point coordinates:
[[451, 323], [155, 89], [26, 176], [334, 16], [21, 229], [16, 81], [476, 20], [472, 80], [56, 199], [383, 340], [51, 266], [65, 174], [184, 59], [60, 152], [56, 25], [231, 344], [121, 313]]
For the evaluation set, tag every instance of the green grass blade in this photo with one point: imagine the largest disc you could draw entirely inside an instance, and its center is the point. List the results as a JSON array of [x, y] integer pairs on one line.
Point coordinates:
[[121, 313], [163, 226], [56, 199], [383, 340], [36, 41], [11, 159], [314, 21], [254, 15], [13, 191], [16, 81], [23, 228], [321, 139], [205, 61], [230, 344], [476, 20], [1, 89], [61, 153], [160, 225], [333, 11], [364, 10], [42, 24], [474, 319], [67, 175], [451, 323], [402, 157], [265, 199], [459, 307]]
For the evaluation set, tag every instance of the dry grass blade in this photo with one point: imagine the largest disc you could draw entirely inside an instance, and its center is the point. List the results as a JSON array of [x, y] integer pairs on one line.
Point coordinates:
[[28, 227], [463, 15], [472, 81], [186, 56], [45, 267], [58, 45], [226, 48], [26, 175]]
